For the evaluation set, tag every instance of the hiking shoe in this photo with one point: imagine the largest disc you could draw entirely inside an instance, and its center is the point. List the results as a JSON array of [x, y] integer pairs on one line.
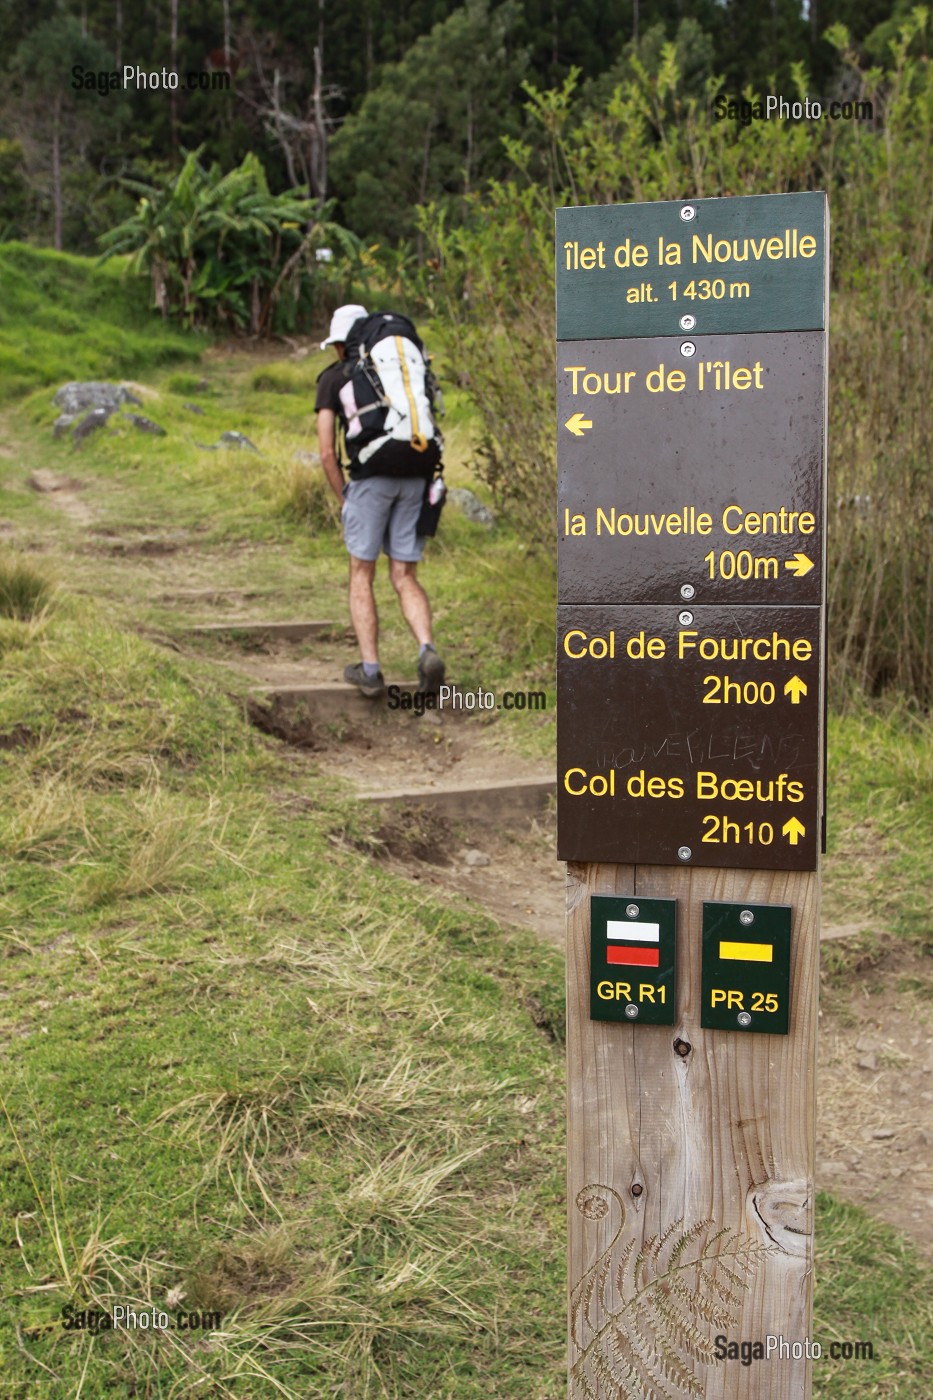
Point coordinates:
[[370, 686], [430, 672]]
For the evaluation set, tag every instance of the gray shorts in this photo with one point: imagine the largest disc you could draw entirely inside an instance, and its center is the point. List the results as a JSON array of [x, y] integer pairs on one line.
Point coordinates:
[[380, 513]]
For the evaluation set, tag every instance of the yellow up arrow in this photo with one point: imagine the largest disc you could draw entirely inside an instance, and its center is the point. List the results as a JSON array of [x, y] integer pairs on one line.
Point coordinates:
[[577, 424], [799, 565], [795, 687], [793, 830]]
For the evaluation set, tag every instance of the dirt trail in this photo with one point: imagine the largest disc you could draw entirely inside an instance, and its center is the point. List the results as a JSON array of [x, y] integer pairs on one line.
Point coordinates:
[[507, 867], [875, 1105]]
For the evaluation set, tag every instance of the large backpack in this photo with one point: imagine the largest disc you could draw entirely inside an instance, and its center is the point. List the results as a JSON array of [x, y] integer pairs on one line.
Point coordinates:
[[388, 399]]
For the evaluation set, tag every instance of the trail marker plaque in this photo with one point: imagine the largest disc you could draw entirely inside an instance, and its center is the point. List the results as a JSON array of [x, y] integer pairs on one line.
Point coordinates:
[[691, 384], [632, 974], [746, 967]]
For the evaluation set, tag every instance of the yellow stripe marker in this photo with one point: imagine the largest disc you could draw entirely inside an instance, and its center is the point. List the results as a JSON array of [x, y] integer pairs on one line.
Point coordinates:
[[747, 952], [418, 441]]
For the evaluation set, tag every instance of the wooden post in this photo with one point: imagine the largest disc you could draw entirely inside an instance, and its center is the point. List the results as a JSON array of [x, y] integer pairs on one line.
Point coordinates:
[[690, 770], [685, 1133]]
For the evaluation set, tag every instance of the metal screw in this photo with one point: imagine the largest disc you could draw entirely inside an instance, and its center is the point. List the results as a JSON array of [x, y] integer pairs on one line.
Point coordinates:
[[631, 1011], [684, 853], [687, 591], [687, 322], [746, 917], [688, 349], [687, 213], [685, 618], [632, 911], [744, 1019]]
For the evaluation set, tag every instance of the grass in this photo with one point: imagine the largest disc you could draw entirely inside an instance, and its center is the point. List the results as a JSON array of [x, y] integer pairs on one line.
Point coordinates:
[[871, 1286], [64, 317], [252, 1072], [492, 594], [24, 590], [247, 1069], [880, 867], [254, 1075]]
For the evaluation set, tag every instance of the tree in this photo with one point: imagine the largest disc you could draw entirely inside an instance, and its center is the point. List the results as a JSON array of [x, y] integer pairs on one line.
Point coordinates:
[[54, 121], [693, 52], [221, 250], [432, 127]]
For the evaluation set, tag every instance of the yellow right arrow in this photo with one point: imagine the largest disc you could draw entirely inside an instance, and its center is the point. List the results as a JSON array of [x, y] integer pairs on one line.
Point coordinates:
[[793, 830], [795, 687], [799, 565]]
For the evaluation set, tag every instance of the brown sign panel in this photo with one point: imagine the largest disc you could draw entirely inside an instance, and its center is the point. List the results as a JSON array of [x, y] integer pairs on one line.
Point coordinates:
[[697, 476], [689, 735]]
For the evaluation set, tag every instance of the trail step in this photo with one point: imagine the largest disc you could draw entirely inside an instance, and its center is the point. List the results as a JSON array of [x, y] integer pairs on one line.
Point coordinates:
[[516, 799], [274, 631], [328, 703], [829, 932]]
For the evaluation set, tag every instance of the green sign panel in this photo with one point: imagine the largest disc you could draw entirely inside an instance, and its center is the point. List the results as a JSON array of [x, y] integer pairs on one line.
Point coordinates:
[[632, 955], [746, 968], [695, 267]]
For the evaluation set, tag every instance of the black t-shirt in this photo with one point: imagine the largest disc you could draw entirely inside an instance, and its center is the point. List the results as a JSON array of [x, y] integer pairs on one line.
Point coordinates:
[[328, 390]]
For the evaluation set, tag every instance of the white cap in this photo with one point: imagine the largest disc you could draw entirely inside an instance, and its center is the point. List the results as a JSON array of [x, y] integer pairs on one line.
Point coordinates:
[[341, 321]]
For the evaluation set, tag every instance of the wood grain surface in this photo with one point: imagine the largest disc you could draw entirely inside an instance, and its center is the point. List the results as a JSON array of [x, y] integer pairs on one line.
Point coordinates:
[[690, 1171]]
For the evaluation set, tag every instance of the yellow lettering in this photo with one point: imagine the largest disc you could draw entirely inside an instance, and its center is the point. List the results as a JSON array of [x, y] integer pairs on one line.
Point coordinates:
[[707, 786], [626, 255], [707, 252]]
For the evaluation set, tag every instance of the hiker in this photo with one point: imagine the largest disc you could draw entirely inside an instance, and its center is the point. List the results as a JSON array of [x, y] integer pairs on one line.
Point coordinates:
[[380, 382]]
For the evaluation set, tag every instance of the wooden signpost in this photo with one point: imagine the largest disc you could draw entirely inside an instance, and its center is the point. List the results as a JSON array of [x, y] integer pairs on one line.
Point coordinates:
[[691, 463]]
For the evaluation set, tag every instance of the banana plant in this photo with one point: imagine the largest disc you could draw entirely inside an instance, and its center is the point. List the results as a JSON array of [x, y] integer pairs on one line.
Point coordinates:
[[222, 251]]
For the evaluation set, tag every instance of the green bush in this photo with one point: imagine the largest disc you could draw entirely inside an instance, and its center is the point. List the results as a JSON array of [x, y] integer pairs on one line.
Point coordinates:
[[222, 251], [491, 283]]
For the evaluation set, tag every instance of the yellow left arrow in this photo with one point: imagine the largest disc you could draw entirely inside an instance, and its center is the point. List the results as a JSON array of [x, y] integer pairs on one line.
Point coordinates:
[[577, 424]]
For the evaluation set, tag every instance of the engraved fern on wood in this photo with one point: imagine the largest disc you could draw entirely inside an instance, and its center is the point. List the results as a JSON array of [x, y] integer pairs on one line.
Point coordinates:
[[641, 1321]]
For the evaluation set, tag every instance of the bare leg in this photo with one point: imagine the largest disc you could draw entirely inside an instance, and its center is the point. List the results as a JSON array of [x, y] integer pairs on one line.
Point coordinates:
[[363, 612], [416, 609]]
